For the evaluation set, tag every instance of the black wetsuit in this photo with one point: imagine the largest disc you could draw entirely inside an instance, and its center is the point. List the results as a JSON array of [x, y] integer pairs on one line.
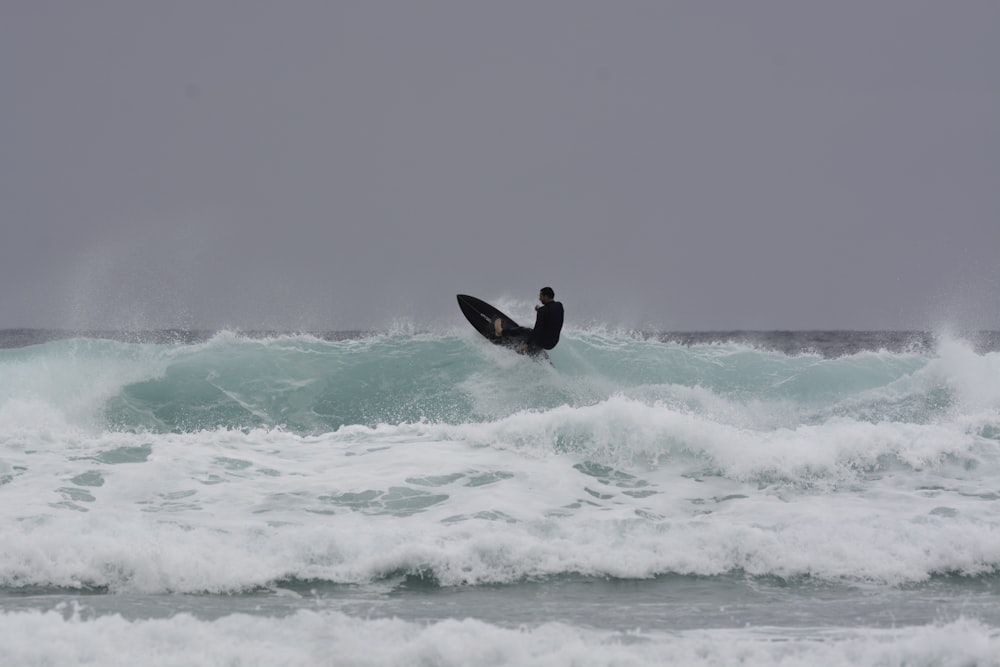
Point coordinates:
[[545, 335], [548, 325]]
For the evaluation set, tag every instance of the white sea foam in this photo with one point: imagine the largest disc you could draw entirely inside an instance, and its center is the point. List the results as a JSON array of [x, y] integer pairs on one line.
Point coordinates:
[[306, 638], [619, 489]]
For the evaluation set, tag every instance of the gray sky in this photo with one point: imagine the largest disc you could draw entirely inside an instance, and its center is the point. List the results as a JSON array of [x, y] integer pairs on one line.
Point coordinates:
[[330, 165]]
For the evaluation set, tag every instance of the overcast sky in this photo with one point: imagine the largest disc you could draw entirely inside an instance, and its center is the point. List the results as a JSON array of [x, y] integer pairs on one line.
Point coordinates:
[[334, 164]]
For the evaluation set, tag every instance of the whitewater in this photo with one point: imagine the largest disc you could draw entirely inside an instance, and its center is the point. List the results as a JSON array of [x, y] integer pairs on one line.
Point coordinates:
[[410, 497]]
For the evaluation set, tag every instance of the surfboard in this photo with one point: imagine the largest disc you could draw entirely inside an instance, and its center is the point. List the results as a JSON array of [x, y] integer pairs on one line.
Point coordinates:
[[481, 316]]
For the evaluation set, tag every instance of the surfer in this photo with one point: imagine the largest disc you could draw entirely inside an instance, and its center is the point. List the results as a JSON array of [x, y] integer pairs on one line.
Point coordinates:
[[548, 325]]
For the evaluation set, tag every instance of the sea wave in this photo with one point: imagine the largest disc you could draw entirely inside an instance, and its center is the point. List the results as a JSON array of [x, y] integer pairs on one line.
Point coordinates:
[[233, 463], [309, 385]]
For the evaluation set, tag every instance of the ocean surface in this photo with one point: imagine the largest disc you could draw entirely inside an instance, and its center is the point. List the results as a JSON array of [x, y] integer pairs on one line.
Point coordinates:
[[426, 498]]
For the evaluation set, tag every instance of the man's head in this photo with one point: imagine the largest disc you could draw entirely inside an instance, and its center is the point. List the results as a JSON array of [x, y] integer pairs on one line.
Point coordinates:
[[546, 294]]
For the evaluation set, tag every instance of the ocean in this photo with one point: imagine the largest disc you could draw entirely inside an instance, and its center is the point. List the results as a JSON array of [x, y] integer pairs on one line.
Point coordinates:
[[425, 498]]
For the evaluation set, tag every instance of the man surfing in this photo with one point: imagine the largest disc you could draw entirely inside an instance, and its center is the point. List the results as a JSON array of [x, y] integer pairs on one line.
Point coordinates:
[[548, 325]]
